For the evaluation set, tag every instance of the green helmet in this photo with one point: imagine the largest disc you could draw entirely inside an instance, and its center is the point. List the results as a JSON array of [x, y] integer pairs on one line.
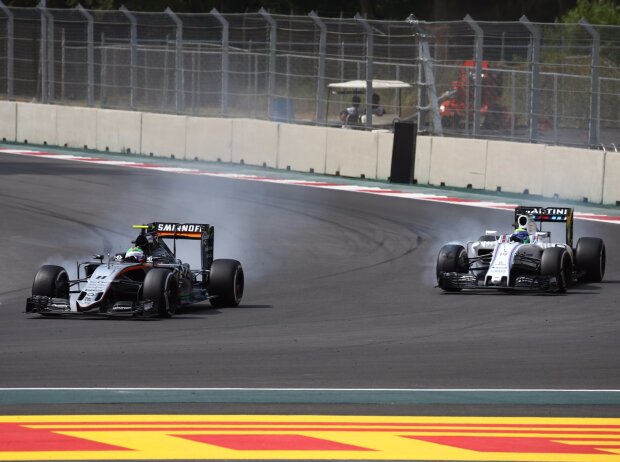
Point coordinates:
[[136, 253], [520, 235]]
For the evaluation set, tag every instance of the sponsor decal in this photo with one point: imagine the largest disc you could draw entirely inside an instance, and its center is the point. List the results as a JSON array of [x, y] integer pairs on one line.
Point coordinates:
[[548, 211], [302, 437], [179, 228]]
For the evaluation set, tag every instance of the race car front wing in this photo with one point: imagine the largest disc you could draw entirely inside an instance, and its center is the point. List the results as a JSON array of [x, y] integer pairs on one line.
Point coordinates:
[[61, 306], [457, 281], [42, 304]]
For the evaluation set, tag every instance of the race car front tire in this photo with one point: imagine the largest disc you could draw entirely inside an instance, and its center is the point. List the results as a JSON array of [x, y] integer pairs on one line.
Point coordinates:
[[590, 259], [226, 283], [452, 258], [161, 287], [556, 262], [51, 281]]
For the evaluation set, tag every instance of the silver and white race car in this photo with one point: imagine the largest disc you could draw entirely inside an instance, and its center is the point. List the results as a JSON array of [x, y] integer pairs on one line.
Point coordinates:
[[525, 259], [155, 284]]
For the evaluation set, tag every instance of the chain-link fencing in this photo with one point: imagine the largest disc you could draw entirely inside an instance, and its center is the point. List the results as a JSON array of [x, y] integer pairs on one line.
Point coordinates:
[[523, 81]]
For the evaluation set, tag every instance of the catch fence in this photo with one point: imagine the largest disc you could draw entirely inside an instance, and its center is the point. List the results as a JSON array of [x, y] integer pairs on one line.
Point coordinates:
[[522, 81]]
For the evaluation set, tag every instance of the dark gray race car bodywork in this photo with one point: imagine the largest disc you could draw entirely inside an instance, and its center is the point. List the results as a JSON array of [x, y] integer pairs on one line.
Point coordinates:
[[155, 286]]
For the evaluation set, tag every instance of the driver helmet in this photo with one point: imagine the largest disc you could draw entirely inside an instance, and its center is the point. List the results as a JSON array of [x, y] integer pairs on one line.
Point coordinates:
[[135, 253], [520, 235]]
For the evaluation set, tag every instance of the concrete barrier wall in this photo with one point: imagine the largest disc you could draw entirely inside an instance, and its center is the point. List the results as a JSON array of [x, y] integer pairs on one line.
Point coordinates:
[[611, 181], [573, 173], [422, 165], [119, 131], [76, 127], [458, 162], [351, 153], [209, 139], [8, 120], [255, 142], [36, 123], [549, 171], [385, 143], [569, 173], [514, 167], [163, 135], [302, 148]]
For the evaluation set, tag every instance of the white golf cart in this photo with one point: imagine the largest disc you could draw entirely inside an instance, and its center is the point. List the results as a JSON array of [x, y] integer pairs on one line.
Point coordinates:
[[351, 111]]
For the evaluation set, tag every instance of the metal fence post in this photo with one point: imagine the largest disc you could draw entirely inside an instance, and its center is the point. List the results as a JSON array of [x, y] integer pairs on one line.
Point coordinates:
[[273, 40], [47, 53], [468, 105], [164, 98], [133, 45], [178, 62], [42, 55], [51, 60], [320, 91], [534, 107], [594, 126], [555, 108], [370, 45], [249, 74], [421, 92], [427, 100], [478, 43], [9, 50], [513, 103], [193, 87], [255, 75], [103, 94], [225, 50], [288, 76], [342, 55], [63, 61], [90, 55]]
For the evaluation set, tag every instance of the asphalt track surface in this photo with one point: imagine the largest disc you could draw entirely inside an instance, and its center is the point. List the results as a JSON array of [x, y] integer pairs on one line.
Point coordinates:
[[339, 294]]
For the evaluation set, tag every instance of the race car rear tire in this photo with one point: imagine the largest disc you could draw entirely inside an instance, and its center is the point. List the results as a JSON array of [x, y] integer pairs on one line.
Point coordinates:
[[161, 287], [51, 281], [226, 283], [590, 259], [452, 258], [556, 262]]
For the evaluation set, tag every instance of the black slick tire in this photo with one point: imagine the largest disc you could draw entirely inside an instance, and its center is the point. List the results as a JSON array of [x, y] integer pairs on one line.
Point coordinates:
[[590, 259], [452, 258], [161, 287], [556, 262], [226, 283], [51, 281]]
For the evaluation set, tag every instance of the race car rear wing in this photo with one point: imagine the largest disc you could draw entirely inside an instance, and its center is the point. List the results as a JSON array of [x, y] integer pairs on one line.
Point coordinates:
[[195, 231], [549, 215]]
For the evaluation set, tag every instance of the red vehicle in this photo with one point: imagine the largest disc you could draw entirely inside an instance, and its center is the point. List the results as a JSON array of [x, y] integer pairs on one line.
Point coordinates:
[[456, 106]]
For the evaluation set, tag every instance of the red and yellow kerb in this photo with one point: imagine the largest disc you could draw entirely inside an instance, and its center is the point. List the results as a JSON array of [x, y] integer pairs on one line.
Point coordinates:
[[269, 437]]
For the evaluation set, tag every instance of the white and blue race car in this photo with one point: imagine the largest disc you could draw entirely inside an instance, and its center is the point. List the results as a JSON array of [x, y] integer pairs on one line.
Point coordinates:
[[524, 259], [155, 284]]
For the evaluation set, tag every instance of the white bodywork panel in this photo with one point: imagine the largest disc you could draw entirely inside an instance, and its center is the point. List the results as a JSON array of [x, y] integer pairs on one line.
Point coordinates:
[[502, 261], [504, 251], [100, 281]]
